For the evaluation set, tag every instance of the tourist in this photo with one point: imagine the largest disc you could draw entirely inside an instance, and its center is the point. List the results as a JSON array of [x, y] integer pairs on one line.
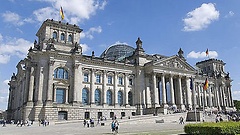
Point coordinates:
[[84, 122], [116, 126], [181, 120], [113, 126]]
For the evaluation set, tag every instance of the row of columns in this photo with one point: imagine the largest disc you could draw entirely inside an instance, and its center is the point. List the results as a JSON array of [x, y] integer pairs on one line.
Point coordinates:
[[177, 88], [219, 96]]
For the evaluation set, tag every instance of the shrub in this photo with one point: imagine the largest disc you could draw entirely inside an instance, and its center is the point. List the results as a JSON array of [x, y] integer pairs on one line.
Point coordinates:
[[210, 128]]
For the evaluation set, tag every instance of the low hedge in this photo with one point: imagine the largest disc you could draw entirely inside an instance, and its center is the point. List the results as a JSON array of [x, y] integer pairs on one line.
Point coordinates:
[[211, 128]]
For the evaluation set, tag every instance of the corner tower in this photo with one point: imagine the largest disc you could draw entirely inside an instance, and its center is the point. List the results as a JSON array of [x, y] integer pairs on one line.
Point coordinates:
[[57, 35]]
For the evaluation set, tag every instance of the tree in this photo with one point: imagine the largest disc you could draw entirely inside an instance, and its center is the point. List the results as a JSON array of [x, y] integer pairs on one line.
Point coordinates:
[[237, 104]]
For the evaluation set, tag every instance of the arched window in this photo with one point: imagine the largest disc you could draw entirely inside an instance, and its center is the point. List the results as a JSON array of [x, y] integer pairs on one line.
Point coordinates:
[[85, 95], [60, 73], [120, 97], [62, 36], [97, 97], [70, 39], [109, 97], [54, 35], [130, 98]]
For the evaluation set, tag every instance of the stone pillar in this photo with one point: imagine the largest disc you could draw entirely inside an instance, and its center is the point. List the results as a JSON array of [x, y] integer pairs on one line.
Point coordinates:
[[148, 92], [76, 91], [223, 94], [205, 98], [164, 95], [105, 81], [50, 83], [210, 96], [31, 85], [92, 97], [230, 96], [172, 90], [115, 89], [155, 91], [40, 85], [199, 95], [194, 93], [125, 94], [182, 107], [189, 99], [218, 97], [66, 95]]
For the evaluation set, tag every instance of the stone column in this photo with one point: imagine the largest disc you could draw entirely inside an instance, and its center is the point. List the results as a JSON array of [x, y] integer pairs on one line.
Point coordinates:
[[104, 87], [210, 96], [50, 82], [31, 85], [155, 91], [223, 94], [164, 96], [76, 91], [66, 95], [182, 107], [189, 99], [230, 96], [125, 94], [92, 97], [172, 90], [115, 89], [205, 98], [199, 95], [54, 95], [40, 85], [194, 94], [148, 93]]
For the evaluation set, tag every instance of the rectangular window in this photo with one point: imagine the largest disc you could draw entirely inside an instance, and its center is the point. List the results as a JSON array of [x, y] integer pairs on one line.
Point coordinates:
[[60, 95], [109, 79], [120, 80], [85, 79], [98, 78]]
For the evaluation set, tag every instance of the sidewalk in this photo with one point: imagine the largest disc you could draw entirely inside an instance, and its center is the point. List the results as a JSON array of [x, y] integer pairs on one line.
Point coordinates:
[[78, 129]]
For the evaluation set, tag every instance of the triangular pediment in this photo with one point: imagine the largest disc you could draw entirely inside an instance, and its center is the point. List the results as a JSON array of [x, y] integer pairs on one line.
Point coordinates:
[[174, 62]]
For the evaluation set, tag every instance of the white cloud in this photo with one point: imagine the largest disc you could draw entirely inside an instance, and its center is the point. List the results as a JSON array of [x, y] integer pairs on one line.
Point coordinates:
[[236, 94], [197, 55], [46, 13], [75, 11], [201, 17], [12, 18], [85, 48], [13, 47], [90, 32], [230, 14], [15, 19]]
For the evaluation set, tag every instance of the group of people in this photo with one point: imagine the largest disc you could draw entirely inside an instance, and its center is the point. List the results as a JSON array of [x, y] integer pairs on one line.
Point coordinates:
[[88, 123]]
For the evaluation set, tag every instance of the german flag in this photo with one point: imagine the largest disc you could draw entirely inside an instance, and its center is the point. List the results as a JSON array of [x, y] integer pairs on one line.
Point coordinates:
[[61, 13], [207, 52], [205, 87]]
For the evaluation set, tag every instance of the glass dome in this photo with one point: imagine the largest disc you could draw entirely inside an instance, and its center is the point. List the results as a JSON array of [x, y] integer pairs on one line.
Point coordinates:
[[117, 52]]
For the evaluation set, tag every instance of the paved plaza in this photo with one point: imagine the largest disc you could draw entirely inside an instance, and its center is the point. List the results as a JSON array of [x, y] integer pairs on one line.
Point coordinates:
[[143, 126]]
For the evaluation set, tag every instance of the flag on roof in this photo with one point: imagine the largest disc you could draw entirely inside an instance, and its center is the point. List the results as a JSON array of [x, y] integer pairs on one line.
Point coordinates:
[[207, 52], [61, 13]]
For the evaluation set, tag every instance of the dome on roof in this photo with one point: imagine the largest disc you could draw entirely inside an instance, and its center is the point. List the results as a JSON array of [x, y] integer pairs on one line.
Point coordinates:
[[118, 52]]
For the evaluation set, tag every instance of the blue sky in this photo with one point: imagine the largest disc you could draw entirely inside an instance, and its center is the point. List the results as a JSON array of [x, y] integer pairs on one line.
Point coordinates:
[[164, 26]]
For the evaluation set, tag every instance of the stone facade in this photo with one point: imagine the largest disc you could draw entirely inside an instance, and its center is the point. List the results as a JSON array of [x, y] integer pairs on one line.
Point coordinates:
[[56, 81]]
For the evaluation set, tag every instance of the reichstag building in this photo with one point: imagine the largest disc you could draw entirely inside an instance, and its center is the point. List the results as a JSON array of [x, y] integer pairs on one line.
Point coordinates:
[[57, 82]]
